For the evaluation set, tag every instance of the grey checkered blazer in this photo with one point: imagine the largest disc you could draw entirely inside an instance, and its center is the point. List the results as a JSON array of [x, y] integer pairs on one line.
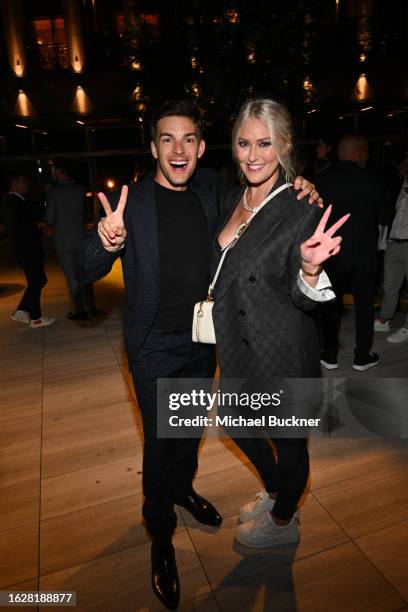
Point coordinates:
[[263, 321]]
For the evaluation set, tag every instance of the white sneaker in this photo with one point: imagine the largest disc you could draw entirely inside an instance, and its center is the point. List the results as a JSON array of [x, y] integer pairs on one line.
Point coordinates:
[[401, 335], [381, 327], [262, 503], [43, 322], [264, 532], [22, 316]]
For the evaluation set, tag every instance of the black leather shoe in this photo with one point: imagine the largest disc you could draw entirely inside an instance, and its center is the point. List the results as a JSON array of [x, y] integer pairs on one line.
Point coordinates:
[[77, 316], [201, 509], [165, 580]]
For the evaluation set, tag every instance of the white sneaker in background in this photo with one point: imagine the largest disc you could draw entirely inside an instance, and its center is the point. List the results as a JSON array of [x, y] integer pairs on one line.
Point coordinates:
[[381, 327], [262, 503], [22, 316], [263, 532], [43, 322], [401, 335]]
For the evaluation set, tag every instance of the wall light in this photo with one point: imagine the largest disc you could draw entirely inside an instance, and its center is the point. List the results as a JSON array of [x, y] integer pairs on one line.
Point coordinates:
[[23, 104]]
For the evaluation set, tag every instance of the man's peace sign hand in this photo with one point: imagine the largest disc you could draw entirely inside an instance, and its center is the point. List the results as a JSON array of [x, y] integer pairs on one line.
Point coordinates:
[[322, 244], [111, 229]]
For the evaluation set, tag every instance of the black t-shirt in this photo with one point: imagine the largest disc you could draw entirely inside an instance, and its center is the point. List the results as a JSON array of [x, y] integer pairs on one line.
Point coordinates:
[[184, 257]]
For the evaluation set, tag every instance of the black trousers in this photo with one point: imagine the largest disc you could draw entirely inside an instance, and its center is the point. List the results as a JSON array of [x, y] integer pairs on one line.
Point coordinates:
[[285, 475], [82, 295], [169, 465], [361, 283], [32, 264]]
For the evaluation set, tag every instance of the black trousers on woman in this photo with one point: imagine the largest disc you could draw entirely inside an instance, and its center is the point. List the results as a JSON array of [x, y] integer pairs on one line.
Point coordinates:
[[287, 475]]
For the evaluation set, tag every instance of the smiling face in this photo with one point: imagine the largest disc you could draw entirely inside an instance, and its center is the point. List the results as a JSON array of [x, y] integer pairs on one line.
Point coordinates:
[[177, 147], [256, 154]]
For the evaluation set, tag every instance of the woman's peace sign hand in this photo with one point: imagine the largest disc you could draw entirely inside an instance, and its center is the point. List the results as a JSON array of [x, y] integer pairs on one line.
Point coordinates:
[[111, 229], [322, 244]]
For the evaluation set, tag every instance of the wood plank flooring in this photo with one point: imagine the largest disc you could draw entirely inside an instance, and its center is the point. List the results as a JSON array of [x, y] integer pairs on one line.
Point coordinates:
[[71, 489]]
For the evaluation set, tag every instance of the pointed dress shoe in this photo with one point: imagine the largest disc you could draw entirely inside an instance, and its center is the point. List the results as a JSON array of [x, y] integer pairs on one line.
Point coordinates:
[[200, 508], [165, 580]]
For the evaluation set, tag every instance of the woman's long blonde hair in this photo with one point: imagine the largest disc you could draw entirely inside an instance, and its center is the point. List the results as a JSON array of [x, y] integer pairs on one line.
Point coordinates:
[[279, 123]]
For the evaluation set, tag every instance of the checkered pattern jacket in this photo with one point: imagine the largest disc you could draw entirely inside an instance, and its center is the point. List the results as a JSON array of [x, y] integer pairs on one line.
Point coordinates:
[[263, 321]]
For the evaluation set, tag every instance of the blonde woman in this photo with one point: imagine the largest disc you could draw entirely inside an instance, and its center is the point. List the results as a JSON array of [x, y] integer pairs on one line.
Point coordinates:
[[268, 285]]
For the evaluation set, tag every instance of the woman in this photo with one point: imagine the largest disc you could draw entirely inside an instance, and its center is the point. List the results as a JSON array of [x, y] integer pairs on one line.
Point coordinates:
[[269, 282]]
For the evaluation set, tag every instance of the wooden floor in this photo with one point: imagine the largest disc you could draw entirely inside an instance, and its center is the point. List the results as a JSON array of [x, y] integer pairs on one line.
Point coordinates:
[[71, 493]]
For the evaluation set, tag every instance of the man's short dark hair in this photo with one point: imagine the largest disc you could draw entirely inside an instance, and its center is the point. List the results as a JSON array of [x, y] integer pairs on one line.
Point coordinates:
[[62, 164], [176, 108]]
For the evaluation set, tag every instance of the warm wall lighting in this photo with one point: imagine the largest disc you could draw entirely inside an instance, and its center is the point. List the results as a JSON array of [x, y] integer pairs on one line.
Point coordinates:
[[14, 36], [137, 92], [251, 57], [82, 103], [362, 90], [363, 57], [110, 183], [232, 15], [195, 88], [136, 65], [74, 35], [24, 108]]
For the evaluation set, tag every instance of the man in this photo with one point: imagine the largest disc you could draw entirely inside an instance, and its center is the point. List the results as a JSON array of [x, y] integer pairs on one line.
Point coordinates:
[[352, 188], [66, 208], [162, 228], [26, 238], [395, 268]]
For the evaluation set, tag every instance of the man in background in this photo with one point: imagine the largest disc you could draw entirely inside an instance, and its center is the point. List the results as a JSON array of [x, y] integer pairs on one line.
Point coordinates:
[[66, 211], [352, 188], [396, 265], [26, 239]]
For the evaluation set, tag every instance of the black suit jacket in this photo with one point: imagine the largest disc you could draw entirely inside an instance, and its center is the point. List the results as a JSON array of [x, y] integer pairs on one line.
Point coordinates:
[[262, 319], [19, 218], [140, 256], [355, 190]]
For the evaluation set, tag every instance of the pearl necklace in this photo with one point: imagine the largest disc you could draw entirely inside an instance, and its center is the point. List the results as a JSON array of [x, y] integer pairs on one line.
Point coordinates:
[[246, 205]]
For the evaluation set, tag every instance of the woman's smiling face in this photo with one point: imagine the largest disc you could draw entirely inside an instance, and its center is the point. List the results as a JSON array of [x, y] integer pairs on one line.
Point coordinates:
[[255, 152]]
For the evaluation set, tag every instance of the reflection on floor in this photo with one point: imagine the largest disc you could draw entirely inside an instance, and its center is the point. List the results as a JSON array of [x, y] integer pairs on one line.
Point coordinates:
[[70, 486]]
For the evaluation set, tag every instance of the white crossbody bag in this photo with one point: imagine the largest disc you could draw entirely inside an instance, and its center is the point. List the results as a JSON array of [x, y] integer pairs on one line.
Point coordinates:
[[203, 325]]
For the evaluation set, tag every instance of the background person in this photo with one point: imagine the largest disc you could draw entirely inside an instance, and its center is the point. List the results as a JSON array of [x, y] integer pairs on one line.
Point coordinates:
[[26, 239], [66, 213], [395, 268], [355, 189]]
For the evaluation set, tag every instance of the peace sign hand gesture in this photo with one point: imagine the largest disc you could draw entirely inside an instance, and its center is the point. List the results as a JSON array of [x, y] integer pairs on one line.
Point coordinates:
[[111, 229], [321, 246]]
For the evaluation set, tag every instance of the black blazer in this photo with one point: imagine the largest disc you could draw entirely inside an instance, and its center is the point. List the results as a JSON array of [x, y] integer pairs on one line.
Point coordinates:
[[140, 256], [19, 218], [262, 319], [355, 190]]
